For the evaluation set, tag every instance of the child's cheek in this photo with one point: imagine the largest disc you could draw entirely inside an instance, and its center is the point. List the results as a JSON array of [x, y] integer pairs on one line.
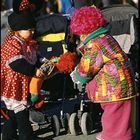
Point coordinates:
[[30, 35]]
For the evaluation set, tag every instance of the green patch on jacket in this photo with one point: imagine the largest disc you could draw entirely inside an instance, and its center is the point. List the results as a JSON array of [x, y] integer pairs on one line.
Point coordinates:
[[117, 63], [112, 80], [123, 85]]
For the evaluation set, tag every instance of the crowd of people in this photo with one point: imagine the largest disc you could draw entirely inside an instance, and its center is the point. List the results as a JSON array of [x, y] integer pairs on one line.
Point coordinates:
[[107, 51]]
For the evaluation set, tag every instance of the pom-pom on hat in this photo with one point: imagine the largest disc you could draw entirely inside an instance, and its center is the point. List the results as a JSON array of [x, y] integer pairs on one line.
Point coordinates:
[[21, 21], [86, 20], [32, 5]]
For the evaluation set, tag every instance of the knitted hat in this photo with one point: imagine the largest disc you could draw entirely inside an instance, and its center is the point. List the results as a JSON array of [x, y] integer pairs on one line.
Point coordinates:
[[86, 20], [32, 5], [21, 21]]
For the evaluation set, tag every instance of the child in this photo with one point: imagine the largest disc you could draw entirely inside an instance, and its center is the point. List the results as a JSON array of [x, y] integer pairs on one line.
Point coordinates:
[[105, 69], [18, 59]]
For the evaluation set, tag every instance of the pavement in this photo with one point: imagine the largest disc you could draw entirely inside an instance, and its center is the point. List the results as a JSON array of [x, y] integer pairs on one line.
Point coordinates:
[[64, 136], [46, 134], [79, 137]]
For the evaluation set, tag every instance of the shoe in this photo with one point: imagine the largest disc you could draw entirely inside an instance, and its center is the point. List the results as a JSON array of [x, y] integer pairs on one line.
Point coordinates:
[[98, 136]]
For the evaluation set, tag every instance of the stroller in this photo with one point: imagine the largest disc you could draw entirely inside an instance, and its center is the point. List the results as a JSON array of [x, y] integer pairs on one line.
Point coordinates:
[[76, 114], [60, 100], [86, 117], [53, 37], [53, 112]]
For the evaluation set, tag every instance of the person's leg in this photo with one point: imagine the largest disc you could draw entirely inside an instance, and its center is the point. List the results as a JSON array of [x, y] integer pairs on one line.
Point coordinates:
[[9, 4], [24, 126], [116, 121], [137, 135], [9, 128]]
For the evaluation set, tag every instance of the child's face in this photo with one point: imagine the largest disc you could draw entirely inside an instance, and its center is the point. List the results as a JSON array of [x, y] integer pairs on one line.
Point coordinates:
[[26, 34]]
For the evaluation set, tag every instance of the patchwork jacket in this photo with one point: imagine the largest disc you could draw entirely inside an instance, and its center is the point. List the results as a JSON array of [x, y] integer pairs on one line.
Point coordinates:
[[105, 69]]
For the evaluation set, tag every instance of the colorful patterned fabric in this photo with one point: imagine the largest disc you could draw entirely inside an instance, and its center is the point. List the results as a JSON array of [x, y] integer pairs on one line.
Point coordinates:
[[104, 61], [14, 85], [64, 6], [24, 4]]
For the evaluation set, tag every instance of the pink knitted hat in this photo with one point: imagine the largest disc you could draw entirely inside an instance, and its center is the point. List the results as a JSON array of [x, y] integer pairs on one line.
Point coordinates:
[[86, 20]]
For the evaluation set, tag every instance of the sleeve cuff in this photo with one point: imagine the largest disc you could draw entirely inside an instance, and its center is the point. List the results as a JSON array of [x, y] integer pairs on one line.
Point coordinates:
[[80, 78]]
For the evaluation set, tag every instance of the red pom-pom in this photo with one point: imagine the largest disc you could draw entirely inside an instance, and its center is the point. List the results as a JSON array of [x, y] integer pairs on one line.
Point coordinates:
[[86, 20], [23, 5], [67, 62]]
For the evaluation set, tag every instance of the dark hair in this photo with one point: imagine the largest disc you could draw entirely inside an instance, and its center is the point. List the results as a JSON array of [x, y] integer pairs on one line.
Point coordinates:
[[51, 5], [80, 3]]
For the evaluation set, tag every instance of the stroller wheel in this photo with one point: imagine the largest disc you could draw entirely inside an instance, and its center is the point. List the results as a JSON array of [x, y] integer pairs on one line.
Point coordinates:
[[74, 124], [36, 117], [86, 123], [55, 125], [66, 122]]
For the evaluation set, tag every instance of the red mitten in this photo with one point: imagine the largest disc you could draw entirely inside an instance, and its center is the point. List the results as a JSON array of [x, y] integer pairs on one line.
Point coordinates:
[[67, 62]]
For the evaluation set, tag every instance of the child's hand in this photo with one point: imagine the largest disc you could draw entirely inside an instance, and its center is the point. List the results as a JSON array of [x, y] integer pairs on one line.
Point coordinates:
[[38, 73], [73, 76]]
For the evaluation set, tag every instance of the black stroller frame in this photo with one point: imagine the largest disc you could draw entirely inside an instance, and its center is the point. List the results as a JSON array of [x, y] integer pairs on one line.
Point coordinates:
[[56, 116], [76, 115], [83, 119], [63, 112]]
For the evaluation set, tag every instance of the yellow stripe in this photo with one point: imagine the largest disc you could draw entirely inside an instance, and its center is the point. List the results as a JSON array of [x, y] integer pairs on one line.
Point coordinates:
[[120, 57], [127, 98], [103, 85], [105, 59], [52, 37], [121, 74], [104, 68], [96, 95], [59, 5], [86, 64], [113, 97], [64, 48], [90, 45]]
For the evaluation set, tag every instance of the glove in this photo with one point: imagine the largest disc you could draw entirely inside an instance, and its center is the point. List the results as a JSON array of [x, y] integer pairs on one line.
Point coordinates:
[[73, 77], [77, 78], [34, 98]]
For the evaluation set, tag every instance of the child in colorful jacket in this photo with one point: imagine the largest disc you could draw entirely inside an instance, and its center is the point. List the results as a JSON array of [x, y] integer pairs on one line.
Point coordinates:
[[18, 65], [107, 73]]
